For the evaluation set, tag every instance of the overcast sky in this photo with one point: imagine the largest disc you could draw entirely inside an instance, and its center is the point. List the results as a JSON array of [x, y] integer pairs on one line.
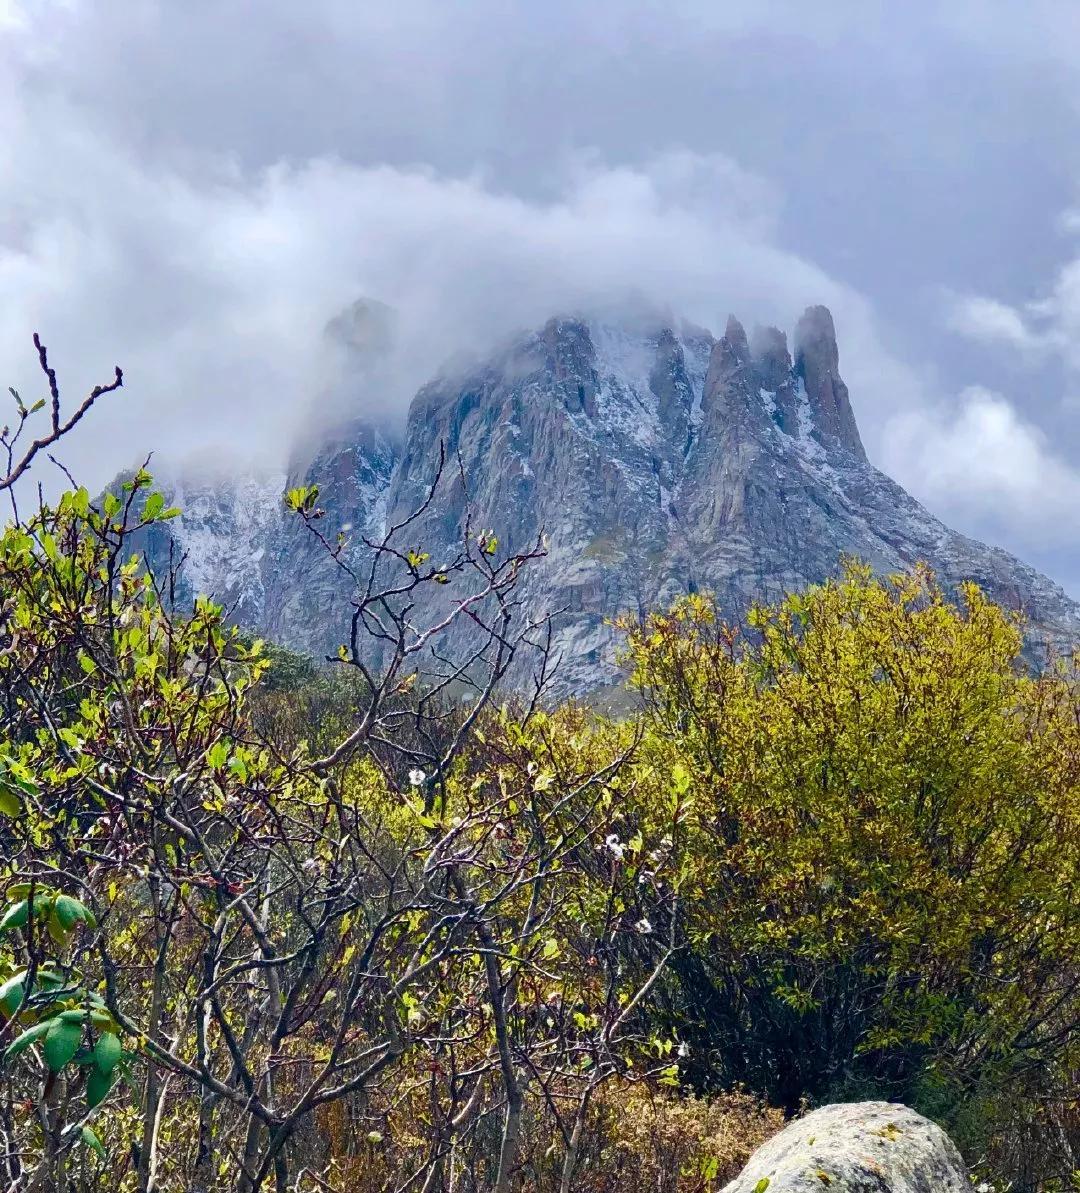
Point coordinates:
[[192, 189]]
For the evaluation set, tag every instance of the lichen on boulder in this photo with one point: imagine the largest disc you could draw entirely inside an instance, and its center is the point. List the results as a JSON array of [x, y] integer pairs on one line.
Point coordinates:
[[857, 1147]]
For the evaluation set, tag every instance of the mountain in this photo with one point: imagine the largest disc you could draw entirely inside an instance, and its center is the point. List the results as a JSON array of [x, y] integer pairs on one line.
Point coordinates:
[[658, 459]]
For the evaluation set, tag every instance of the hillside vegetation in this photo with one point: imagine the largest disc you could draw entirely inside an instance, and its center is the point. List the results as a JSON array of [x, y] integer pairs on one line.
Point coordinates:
[[268, 925]]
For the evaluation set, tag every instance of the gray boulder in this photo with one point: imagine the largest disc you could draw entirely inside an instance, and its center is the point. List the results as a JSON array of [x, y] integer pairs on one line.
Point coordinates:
[[857, 1147]]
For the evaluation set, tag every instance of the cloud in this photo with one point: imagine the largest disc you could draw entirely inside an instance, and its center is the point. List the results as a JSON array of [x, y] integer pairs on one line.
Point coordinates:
[[193, 194], [992, 322], [991, 469], [1047, 325], [213, 294], [12, 15]]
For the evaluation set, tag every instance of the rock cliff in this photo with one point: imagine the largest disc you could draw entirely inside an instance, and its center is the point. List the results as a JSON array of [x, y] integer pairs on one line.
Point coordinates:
[[657, 458]]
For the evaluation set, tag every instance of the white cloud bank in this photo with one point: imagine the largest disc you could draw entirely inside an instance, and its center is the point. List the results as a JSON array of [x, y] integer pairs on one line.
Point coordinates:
[[213, 294], [981, 458], [991, 469], [193, 195], [1048, 325]]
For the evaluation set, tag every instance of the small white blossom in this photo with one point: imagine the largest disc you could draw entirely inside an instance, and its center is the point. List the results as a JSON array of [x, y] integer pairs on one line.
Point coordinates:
[[615, 845], [985, 1187], [684, 1050], [417, 777], [643, 926]]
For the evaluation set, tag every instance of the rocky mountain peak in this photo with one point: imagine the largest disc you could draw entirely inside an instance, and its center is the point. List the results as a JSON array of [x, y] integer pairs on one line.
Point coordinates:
[[769, 349], [815, 334], [571, 357], [817, 365], [734, 342], [366, 330], [656, 459]]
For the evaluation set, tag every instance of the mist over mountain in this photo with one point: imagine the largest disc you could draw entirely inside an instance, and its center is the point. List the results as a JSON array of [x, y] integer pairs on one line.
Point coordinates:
[[656, 457]]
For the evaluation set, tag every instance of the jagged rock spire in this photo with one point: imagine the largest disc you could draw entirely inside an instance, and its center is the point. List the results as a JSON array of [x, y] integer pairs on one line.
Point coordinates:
[[730, 383], [817, 360], [735, 341], [772, 370], [571, 358], [771, 357]]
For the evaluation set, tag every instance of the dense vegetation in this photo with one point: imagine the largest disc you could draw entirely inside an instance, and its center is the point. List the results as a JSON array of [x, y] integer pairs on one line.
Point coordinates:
[[267, 925]]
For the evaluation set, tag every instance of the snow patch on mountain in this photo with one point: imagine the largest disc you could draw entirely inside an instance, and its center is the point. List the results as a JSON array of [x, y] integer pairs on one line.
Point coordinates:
[[625, 404], [656, 461], [222, 535]]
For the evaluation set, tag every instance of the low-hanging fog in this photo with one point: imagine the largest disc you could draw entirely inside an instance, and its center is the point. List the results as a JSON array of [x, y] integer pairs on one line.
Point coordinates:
[[193, 191]]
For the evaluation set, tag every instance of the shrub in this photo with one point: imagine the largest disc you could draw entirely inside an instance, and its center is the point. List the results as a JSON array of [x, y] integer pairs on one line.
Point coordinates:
[[882, 841]]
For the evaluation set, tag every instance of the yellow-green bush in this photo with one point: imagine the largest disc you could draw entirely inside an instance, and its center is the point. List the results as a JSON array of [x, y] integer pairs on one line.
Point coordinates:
[[881, 840], [834, 855]]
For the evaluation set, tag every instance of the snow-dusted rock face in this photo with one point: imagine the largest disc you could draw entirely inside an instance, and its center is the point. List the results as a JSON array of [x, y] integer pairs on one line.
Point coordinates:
[[657, 459], [236, 542], [857, 1147]]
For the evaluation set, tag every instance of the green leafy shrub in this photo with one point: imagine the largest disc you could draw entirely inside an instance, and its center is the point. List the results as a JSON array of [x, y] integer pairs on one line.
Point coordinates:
[[882, 835]]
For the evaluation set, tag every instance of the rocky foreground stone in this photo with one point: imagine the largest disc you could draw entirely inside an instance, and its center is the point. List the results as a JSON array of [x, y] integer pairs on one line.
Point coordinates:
[[857, 1147]]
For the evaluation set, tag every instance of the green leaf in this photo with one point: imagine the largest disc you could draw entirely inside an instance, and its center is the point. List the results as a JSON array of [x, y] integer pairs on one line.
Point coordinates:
[[15, 916], [302, 498], [28, 1037], [24, 784], [10, 803], [68, 911], [107, 1052], [155, 503], [89, 1137], [59, 934], [12, 993], [218, 754], [669, 1075], [61, 1043], [98, 1085], [49, 976], [762, 1185]]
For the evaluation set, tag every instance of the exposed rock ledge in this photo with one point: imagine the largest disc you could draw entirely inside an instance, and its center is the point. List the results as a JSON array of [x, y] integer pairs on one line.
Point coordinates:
[[858, 1147]]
